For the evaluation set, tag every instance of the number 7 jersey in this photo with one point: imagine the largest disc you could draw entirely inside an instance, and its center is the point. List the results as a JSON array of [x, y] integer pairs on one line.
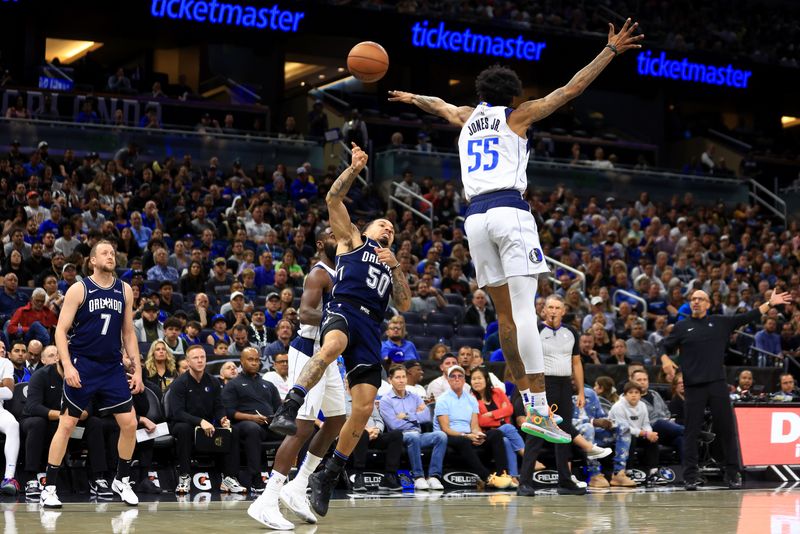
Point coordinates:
[[493, 157], [96, 331], [362, 279]]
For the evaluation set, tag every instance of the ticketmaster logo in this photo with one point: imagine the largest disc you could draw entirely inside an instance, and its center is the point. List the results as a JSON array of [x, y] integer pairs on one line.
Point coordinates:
[[230, 14]]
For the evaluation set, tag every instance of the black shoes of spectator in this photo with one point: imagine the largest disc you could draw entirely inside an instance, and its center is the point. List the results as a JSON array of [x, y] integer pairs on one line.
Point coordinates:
[[148, 486], [655, 479], [100, 489], [735, 482], [389, 482], [322, 484], [706, 437], [358, 483], [284, 421], [691, 485], [570, 488], [525, 490]]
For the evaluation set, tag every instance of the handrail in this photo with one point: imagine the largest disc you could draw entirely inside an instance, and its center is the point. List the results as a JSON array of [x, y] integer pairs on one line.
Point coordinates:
[[59, 71], [580, 275], [628, 294], [731, 140], [236, 84], [346, 163], [393, 198], [780, 211]]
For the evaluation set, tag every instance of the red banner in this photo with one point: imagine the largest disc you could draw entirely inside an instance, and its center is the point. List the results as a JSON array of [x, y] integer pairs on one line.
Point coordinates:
[[768, 435]]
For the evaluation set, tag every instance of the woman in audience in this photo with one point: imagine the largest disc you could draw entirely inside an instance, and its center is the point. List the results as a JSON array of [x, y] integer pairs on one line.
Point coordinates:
[[287, 298], [678, 402], [128, 245], [120, 217], [289, 263], [14, 264], [54, 297], [193, 281], [606, 392], [602, 341], [159, 365], [495, 411]]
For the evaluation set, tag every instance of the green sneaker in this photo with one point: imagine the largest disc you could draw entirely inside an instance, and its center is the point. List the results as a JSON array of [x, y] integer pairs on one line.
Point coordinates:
[[545, 428]]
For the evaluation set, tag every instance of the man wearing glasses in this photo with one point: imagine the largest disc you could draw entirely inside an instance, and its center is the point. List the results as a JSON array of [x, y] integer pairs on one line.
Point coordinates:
[[701, 340], [279, 376]]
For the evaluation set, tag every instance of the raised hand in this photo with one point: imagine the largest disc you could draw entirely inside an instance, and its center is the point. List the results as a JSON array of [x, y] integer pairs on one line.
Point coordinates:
[[359, 160], [780, 298], [624, 40], [401, 96]]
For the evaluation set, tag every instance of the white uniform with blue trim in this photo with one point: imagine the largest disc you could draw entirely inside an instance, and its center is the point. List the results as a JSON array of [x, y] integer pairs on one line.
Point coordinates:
[[502, 233], [327, 395]]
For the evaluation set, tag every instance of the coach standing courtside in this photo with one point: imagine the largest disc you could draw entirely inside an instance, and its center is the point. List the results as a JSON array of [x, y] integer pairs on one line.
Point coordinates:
[[702, 340]]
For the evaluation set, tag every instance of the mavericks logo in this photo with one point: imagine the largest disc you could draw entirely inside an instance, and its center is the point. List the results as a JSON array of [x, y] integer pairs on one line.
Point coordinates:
[[461, 478], [536, 255]]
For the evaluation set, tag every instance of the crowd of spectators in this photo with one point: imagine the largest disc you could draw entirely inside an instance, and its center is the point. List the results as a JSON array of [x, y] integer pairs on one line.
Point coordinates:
[[216, 255]]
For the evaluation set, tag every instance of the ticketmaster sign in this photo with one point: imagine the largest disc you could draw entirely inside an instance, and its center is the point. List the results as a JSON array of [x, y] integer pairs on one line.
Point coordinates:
[[661, 66], [229, 14]]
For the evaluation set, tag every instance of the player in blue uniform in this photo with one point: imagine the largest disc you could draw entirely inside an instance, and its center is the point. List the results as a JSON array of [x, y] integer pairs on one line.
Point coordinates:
[[502, 234], [367, 273], [96, 321]]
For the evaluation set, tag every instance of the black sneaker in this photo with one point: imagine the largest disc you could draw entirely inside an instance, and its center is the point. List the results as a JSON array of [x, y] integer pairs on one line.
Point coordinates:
[[691, 485], [322, 484], [735, 482], [148, 486], [358, 483], [284, 421], [525, 490], [707, 437], [570, 488], [389, 482], [100, 489], [655, 479]]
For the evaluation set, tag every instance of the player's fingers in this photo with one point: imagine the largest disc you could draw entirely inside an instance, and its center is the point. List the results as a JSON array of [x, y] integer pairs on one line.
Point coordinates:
[[626, 25], [610, 30]]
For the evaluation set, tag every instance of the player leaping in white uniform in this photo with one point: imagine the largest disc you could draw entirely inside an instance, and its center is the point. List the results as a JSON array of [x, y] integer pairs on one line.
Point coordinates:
[[501, 230]]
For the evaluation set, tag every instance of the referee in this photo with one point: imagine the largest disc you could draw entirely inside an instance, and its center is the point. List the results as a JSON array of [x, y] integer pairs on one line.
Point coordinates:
[[562, 361], [702, 340]]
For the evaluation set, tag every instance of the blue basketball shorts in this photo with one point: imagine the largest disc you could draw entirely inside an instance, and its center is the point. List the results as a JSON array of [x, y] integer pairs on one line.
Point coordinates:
[[105, 382]]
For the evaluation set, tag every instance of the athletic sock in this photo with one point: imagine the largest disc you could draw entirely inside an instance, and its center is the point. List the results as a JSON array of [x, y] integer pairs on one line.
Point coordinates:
[[123, 469], [11, 470], [307, 469], [540, 403], [274, 484], [52, 475]]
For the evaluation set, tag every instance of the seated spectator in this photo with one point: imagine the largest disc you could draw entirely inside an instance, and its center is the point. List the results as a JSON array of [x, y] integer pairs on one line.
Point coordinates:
[[427, 300], [414, 376], [161, 270], [192, 406], [593, 423], [251, 409], [788, 391], [219, 332], [194, 281], [441, 384], [376, 436], [191, 334], [494, 412], [279, 376], [606, 392], [167, 303], [237, 314], [220, 282], [638, 349], [677, 404], [586, 348], [201, 312], [172, 337], [768, 342], [33, 356], [273, 314], [10, 298], [148, 327], [265, 272], [14, 264], [220, 350], [119, 83], [479, 312], [284, 332], [403, 410], [456, 415], [228, 372], [437, 352], [659, 415], [159, 365], [744, 383], [396, 348], [454, 280], [241, 341], [630, 411], [603, 340], [618, 354], [293, 269], [17, 357], [661, 330], [34, 320]]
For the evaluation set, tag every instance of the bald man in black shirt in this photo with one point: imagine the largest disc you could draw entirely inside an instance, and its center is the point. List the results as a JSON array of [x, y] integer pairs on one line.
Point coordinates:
[[702, 340]]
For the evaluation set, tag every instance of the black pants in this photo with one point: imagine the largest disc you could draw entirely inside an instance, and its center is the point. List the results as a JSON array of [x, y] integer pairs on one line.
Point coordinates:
[[38, 433], [144, 453], [650, 459], [469, 452], [251, 435], [102, 436], [716, 396], [391, 442], [184, 445], [559, 391]]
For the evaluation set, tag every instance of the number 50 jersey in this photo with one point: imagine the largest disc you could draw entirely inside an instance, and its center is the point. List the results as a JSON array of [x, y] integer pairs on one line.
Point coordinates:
[[96, 331], [493, 157], [363, 280]]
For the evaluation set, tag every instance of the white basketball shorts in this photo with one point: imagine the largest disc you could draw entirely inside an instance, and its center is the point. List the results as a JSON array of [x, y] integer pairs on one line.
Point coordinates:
[[327, 396]]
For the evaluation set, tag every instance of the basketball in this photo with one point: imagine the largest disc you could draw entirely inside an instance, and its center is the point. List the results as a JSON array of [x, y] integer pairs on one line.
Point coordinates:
[[368, 61]]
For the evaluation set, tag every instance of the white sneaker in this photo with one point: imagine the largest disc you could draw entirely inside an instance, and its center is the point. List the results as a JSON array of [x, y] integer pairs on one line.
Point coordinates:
[[48, 498], [434, 484], [598, 452], [578, 483], [421, 484], [270, 516], [184, 485], [125, 491], [231, 485], [296, 500]]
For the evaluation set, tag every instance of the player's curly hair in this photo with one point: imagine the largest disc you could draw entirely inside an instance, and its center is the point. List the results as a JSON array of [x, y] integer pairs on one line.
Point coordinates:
[[498, 85]]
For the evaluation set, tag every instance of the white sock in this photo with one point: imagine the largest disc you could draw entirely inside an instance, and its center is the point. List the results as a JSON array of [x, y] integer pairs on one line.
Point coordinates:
[[540, 403], [11, 470], [274, 484], [310, 465]]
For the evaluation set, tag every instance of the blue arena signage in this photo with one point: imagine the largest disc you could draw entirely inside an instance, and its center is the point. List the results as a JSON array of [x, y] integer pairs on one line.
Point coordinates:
[[439, 37], [229, 14], [661, 66]]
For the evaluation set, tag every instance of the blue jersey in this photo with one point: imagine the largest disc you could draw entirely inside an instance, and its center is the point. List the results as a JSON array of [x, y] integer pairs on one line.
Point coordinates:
[[362, 279], [96, 331]]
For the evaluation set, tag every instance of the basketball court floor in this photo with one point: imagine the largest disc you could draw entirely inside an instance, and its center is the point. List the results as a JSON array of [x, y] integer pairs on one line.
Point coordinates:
[[665, 509]]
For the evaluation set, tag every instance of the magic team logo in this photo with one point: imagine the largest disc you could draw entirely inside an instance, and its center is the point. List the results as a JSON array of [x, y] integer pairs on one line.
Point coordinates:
[[536, 255]]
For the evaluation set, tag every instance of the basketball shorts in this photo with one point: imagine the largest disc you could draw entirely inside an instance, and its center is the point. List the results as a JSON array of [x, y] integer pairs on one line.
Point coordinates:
[[362, 356], [328, 395], [105, 382], [503, 238]]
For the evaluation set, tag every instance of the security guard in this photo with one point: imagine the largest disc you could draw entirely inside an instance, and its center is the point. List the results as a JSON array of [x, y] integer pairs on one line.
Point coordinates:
[[702, 340]]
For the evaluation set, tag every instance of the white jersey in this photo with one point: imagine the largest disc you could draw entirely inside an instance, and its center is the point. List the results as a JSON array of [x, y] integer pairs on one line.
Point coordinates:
[[493, 157], [310, 331], [6, 371]]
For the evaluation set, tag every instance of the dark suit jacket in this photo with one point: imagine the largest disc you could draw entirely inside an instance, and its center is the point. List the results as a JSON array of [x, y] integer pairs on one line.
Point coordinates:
[[473, 317]]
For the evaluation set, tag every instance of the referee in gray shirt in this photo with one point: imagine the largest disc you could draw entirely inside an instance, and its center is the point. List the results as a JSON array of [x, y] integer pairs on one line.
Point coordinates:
[[562, 361]]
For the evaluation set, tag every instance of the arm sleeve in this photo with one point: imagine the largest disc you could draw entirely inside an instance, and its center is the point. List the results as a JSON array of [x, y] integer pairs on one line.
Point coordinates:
[[671, 342]]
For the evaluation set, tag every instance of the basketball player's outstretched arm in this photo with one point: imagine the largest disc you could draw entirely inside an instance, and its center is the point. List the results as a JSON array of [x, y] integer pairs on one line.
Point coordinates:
[[130, 343], [72, 301], [347, 235], [435, 106], [316, 282], [536, 110]]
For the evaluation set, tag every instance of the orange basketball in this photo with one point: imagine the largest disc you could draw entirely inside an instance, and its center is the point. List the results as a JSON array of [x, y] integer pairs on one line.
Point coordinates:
[[368, 61]]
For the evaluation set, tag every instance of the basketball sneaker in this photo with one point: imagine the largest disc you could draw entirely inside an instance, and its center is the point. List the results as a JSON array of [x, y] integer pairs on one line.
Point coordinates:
[[48, 498], [284, 420], [296, 500], [9, 486], [545, 427], [270, 516], [184, 485], [358, 483], [33, 489], [231, 485], [322, 484], [125, 491], [598, 452], [389, 482], [99, 488]]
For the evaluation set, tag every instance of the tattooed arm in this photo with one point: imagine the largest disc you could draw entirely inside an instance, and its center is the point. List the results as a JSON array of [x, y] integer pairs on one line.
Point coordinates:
[[401, 293], [434, 105], [536, 110], [346, 233]]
